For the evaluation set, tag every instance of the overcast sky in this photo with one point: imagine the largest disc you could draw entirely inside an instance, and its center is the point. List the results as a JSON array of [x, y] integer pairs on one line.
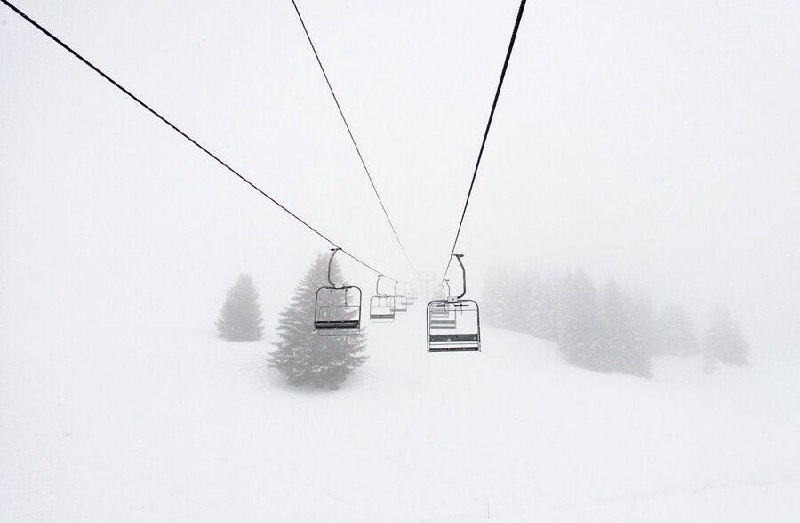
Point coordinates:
[[651, 141]]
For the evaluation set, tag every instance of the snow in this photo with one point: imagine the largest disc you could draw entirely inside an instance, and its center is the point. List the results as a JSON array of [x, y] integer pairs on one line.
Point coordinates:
[[155, 423], [118, 241]]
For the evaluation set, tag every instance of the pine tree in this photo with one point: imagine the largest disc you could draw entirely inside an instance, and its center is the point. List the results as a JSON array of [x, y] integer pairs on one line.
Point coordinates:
[[304, 357], [493, 296], [240, 318], [616, 322], [629, 327], [581, 338], [519, 299], [725, 343], [676, 333], [609, 333], [543, 314]]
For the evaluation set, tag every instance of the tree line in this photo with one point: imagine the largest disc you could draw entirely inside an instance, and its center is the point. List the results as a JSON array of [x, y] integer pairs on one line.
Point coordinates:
[[606, 328]]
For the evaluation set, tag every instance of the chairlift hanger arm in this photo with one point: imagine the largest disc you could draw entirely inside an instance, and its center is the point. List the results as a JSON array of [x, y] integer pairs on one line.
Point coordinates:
[[330, 264], [463, 275]]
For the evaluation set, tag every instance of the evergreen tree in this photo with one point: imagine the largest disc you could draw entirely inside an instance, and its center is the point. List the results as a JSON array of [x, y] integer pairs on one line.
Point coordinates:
[[506, 298], [725, 343], [520, 299], [510, 293], [676, 333], [544, 309], [628, 331], [494, 296], [581, 338], [240, 318], [616, 322], [304, 357]]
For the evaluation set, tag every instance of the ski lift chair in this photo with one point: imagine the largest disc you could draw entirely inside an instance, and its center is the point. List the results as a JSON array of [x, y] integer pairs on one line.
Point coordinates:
[[381, 306], [400, 301], [411, 297], [454, 323], [337, 309]]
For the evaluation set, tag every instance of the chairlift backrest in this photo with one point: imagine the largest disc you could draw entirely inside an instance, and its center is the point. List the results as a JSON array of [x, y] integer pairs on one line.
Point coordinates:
[[454, 324], [411, 298], [337, 308], [381, 309], [338, 311], [381, 306], [400, 302]]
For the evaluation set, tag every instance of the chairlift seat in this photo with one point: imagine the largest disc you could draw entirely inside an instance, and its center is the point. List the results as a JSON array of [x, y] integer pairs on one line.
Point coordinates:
[[381, 309], [400, 303], [453, 326], [338, 311]]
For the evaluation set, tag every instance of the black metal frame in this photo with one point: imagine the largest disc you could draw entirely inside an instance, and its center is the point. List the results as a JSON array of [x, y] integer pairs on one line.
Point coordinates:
[[375, 302], [453, 342], [400, 301], [341, 327]]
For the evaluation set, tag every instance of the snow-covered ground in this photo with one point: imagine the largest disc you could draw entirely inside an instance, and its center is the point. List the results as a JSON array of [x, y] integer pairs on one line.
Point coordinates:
[[154, 424]]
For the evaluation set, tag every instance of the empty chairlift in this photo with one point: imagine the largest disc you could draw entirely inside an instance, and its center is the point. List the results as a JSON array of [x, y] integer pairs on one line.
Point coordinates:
[[381, 306], [454, 323], [411, 296], [337, 309], [400, 301]]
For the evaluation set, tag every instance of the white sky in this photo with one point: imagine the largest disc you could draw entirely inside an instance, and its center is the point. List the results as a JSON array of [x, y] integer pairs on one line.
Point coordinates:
[[651, 141]]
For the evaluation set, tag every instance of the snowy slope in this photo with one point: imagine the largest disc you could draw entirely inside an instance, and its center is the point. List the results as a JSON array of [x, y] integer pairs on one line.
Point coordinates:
[[165, 424]]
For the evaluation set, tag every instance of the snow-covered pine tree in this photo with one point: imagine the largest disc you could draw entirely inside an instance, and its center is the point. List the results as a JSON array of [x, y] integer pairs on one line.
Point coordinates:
[[304, 357], [676, 333], [544, 309], [615, 316], [639, 339], [518, 298], [505, 298], [606, 333], [493, 295], [725, 343], [581, 338], [240, 317]]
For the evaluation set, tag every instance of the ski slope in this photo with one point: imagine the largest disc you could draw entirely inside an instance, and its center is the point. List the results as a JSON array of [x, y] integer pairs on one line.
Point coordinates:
[[163, 424]]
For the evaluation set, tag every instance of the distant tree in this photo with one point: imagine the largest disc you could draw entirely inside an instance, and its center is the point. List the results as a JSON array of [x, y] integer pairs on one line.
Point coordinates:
[[645, 326], [543, 312], [580, 337], [676, 334], [724, 342], [606, 332], [507, 298], [616, 322], [494, 292], [518, 299], [304, 357], [627, 331], [240, 318]]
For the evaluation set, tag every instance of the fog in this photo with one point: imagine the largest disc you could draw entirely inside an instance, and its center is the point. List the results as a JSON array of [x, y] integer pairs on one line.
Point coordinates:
[[647, 141], [654, 143]]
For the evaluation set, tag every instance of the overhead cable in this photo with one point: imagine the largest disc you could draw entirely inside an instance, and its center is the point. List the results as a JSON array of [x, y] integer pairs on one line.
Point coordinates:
[[353, 139], [486, 133], [194, 142]]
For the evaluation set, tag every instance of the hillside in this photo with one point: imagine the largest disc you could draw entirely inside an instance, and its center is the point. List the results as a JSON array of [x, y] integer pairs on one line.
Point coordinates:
[[163, 424]]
